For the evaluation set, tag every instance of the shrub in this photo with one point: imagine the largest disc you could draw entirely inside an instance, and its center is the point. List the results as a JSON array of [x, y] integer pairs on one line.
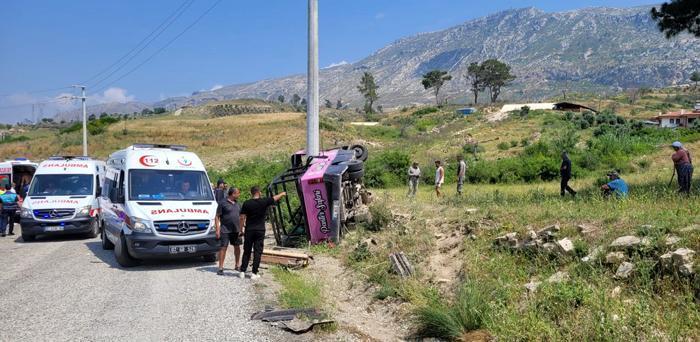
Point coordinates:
[[425, 111], [387, 169], [247, 173], [513, 143], [440, 319], [12, 139], [381, 216], [503, 146]]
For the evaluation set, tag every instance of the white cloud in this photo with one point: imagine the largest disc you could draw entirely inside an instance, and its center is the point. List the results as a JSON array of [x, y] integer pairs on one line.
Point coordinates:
[[336, 64], [216, 87], [379, 16], [111, 95]]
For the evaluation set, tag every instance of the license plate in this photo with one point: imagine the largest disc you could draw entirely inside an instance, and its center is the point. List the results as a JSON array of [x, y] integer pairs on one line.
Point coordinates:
[[183, 249], [53, 229]]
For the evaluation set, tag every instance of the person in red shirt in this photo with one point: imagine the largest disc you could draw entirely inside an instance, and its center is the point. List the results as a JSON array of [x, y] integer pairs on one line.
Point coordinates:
[[684, 167]]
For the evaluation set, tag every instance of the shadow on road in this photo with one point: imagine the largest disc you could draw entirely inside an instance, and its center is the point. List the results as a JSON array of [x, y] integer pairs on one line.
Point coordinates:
[[53, 238], [108, 258]]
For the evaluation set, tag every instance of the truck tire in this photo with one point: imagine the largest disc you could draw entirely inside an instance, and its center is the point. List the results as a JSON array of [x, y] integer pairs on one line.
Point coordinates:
[[94, 229], [28, 238], [356, 175], [106, 244], [355, 165], [121, 253], [210, 257], [360, 152]]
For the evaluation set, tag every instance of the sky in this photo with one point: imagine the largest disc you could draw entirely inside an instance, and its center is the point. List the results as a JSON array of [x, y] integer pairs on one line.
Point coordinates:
[[47, 46]]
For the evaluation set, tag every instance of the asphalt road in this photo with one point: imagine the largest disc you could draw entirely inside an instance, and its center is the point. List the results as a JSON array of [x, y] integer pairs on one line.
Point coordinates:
[[68, 288]]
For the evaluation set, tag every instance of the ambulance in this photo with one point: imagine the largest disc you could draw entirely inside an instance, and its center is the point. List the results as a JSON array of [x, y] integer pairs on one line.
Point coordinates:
[[157, 203], [62, 198], [18, 171]]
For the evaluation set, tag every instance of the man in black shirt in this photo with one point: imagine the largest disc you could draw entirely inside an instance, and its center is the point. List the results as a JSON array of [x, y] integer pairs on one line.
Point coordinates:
[[565, 171], [252, 223], [228, 229], [220, 191]]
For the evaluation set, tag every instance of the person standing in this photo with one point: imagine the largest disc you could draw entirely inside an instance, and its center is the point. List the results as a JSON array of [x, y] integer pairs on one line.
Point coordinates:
[[565, 172], [683, 165], [228, 229], [439, 177], [413, 177], [220, 191], [9, 209], [461, 174], [252, 223]]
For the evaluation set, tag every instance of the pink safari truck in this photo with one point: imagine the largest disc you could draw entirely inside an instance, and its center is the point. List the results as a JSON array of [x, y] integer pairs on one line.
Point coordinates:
[[325, 196]]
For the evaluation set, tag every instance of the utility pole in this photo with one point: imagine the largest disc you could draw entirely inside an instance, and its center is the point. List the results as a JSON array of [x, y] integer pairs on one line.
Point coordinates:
[[83, 98], [312, 135]]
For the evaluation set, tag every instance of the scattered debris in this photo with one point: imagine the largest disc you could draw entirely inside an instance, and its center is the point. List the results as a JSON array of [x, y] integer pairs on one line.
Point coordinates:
[[672, 240], [624, 271], [594, 254], [300, 326], [271, 315], [558, 277], [472, 210], [292, 259], [566, 247], [400, 264]]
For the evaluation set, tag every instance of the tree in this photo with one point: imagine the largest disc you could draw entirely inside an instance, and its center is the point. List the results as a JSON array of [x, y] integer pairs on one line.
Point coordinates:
[[295, 99], [328, 103], [695, 77], [475, 75], [435, 79], [159, 110], [302, 105], [146, 111], [103, 115], [496, 75], [368, 89], [92, 117], [677, 16], [280, 98], [339, 104]]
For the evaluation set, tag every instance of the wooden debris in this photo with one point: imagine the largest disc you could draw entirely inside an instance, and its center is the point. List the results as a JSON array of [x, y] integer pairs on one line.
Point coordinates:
[[287, 258], [400, 264]]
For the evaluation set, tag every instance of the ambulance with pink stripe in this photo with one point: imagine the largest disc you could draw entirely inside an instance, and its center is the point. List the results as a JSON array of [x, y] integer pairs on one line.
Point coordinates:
[[157, 203], [62, 198]]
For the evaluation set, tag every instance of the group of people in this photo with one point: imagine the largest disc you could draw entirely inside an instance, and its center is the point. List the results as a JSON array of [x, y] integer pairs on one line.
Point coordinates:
[[682, 163], [241, 225], [9, 203], [414, 174]]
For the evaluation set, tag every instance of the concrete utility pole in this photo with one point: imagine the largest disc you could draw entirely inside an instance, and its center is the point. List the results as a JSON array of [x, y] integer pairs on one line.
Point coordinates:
[[312, 136], [83, 98]]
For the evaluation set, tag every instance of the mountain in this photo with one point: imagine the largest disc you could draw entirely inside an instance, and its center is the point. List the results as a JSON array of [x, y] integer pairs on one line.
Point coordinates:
[[600, 49]]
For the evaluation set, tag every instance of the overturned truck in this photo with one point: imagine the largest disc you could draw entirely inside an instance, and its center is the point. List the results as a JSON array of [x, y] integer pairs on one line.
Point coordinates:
[[325, 196]]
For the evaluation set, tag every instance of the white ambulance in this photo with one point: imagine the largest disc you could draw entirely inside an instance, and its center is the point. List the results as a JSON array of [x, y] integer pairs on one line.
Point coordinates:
[[18, 171], [157, 203], [62, 198]]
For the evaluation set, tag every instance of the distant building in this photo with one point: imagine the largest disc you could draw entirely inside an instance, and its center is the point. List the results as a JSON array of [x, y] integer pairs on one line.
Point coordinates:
[[683, 118], [572, 107], [532, 106]]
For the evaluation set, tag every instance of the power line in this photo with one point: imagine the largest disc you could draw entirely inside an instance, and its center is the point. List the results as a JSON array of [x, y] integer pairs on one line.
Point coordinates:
[[151, 40], [35, 91], [141, 42], [162, 48]]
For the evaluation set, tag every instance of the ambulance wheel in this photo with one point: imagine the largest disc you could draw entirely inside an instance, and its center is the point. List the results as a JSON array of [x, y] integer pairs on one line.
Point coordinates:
[[106, 244], [121, 253], [28, 238], [94, 229]]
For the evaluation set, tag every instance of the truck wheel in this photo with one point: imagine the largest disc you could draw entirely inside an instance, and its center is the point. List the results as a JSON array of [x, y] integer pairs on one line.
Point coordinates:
[[106, 244], [121, 253], [360, 152], [354, 165], [28, 238], [356, 175], [210, 257], [94, 229]]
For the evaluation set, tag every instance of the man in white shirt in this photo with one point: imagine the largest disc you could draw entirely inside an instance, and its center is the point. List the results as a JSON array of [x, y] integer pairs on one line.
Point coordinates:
[[413, 177], [439, 177]]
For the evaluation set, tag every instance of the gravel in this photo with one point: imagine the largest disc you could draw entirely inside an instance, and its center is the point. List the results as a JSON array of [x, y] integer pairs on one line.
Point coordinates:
[[68, 288]]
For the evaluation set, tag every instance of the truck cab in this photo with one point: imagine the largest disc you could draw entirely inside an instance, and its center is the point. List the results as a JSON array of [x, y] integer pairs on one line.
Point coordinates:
[[157, 204], [62, 198]]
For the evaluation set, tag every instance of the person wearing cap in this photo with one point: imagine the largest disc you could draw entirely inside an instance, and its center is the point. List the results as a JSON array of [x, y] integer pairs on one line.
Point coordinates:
[[683, 165], [439, 177], [461, 174], [413, 177], [616, 186], [565, 172]]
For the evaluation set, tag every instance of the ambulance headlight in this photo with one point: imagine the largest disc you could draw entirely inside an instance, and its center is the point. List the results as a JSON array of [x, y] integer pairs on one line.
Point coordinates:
[[26, 213], [84, 211], [139, 225]]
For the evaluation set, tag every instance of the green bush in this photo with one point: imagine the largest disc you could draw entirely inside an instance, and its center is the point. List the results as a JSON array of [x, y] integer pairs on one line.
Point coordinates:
[[12, 139], [381, 216], [425, 111], [503, 146], [387, 169], [244, 174]]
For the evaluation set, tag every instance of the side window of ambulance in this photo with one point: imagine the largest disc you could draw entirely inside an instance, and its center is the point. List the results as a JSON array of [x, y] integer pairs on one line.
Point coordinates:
[[107, 188]]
